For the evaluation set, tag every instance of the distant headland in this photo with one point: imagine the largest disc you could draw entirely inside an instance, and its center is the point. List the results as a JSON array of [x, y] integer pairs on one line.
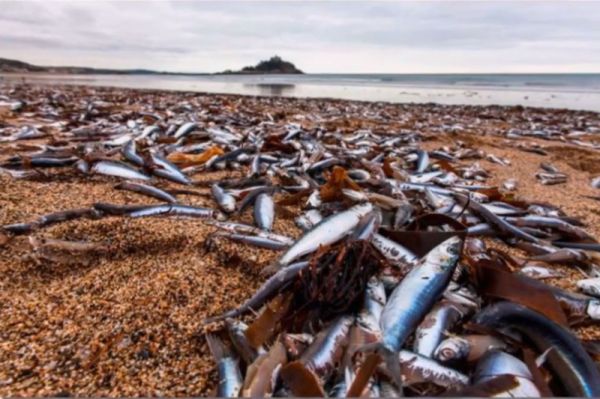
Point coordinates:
[[273, 65], [15, 66]]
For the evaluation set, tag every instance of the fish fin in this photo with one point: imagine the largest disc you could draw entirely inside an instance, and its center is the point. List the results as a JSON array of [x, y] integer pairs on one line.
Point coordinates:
[[217, 347], [390, 357], [392, 362]]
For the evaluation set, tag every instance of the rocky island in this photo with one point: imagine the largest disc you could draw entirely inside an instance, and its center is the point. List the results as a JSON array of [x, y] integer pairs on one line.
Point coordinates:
[[273, 65]]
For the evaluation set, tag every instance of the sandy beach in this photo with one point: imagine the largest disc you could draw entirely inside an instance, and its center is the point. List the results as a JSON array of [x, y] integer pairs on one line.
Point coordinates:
[[571, 91], [127, 321]]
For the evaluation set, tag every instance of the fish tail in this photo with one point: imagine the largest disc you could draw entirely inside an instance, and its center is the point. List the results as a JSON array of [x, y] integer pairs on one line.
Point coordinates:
[[390, 357], [392, 362], [217, 347]]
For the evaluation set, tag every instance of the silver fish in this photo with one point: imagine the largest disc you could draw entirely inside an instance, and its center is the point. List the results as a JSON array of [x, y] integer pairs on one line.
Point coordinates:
[[308, 219], [264, 211], [422, 161], [370, 314], [417, 369], [230, 377], [225, 200], [392, 251], [590, 286], [185, 129], [467, 347], [237, 335], [267, 290], [328, 347], [175, 210], [415, 295], [540, 273], [327, 232], [496, 363], [433, 327], [147, 190], [257, 241], [118, 169]]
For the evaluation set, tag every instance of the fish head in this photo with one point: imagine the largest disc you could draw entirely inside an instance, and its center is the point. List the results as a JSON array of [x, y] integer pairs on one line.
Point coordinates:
[[450, 349]]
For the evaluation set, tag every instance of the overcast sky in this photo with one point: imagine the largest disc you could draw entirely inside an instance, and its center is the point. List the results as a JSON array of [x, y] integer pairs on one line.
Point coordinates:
[[328, 36]]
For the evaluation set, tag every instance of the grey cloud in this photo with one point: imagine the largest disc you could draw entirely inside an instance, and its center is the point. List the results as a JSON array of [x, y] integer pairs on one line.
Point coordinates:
[[327, 36]]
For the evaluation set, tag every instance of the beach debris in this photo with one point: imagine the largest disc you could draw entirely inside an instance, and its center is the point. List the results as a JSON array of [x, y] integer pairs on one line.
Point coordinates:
[[386, 290]]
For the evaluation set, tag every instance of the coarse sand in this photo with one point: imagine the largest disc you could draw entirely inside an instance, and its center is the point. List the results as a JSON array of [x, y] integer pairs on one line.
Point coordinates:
[[128, 321]]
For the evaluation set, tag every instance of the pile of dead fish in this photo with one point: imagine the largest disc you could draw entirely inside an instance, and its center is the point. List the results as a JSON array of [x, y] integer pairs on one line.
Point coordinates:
[[388, 292]]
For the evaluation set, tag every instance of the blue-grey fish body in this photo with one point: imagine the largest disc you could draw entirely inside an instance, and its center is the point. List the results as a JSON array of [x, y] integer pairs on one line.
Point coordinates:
[[264, 211], [118, 169], [223, 198], [417, 293]]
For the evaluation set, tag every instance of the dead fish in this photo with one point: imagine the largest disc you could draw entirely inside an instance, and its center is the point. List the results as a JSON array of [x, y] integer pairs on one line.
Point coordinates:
[[118, 169], [418, 369], [548, 167], [554, 223], [467, 347], [166, 169], [225, 200], [413, 298], [237, 335], [185, 129], [494, 220], [328, 347], [174, 210], [20, 174], [595, 182], [432, 329], [230, 377], [422, 161], [496, 363], [590, 286], [397, 254], [273, 285], [369, 316], [568, 361], [551, 178], [308, 219], [328, 231], [264, 211], [145, 189], [67, 246], [495, 159], [367, 226], [244, 228], [540, 273], [130, 153], [257, 241]]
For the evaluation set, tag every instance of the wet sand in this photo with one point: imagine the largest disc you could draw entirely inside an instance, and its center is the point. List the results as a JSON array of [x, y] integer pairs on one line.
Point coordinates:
[[360, 87], [128, 322]]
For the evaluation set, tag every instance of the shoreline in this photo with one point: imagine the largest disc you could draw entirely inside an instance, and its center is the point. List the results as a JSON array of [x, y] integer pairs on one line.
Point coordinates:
[[128, 322], [291, 86]]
